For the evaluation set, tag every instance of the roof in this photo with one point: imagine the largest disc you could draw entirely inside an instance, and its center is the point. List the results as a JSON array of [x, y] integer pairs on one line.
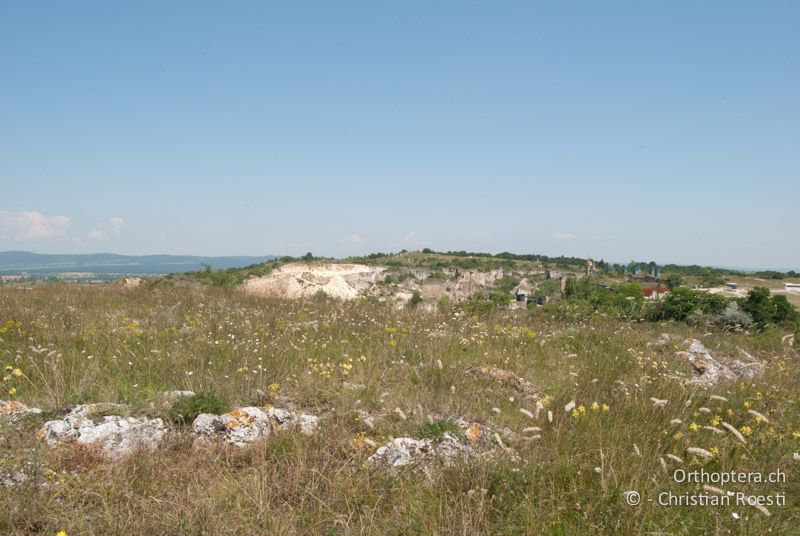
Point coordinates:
[[653, 290]]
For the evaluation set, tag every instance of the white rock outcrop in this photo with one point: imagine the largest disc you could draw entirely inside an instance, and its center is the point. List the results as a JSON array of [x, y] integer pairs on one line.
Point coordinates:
[[116, 435], [303, 280], [403, 451], [709, 371], [244, 425]]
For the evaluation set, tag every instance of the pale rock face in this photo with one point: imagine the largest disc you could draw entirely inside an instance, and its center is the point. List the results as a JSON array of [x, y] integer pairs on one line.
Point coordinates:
[[245, 425], [132, 282], [300, 280], [114, 434]]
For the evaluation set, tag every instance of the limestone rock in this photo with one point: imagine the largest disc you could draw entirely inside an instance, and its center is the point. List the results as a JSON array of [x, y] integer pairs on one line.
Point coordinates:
[[114, 434], [504, 377], [245, 425], [709, 371], [403, 451], [13, 410]]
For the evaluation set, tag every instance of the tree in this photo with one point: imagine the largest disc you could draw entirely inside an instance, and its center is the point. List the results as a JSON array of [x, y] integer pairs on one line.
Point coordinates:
[[759, 306], [783, 312], [674, 281], [308, 256]]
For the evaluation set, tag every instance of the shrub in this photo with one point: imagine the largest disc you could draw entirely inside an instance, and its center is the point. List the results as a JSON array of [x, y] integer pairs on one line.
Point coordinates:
[[682, 302], [187, 408], [478, 304], [505, 284], [733, 317], [416, 299], [766, 309], [674, 281]]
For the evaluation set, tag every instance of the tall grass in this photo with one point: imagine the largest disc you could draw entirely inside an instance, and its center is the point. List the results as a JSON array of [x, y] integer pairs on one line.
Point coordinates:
[[103, 343]]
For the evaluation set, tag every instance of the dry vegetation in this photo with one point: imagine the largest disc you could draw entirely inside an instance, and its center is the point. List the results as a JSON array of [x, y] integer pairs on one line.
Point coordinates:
[[74, 344]]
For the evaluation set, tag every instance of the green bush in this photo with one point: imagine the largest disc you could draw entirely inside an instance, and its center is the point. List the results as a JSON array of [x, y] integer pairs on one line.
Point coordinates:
[[682, 302], [766, 309], [187, 408], [437, 429]]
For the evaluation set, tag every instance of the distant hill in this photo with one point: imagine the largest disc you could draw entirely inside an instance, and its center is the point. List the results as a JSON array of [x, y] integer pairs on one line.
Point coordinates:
[[109, 264]]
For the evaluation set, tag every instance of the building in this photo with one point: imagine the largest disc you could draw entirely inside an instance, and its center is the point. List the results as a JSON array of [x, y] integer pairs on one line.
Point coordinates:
[[653, 293], [794, 288]]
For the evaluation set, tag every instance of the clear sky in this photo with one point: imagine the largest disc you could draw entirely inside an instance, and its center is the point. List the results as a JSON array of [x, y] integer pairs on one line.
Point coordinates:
[[618, 130]]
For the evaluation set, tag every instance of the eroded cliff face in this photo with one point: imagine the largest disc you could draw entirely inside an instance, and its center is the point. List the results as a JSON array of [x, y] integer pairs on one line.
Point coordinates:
[[348, 281], [300, 280]]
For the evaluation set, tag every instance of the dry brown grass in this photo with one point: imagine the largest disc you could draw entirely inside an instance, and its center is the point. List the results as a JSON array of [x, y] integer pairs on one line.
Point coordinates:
[[155, 339]]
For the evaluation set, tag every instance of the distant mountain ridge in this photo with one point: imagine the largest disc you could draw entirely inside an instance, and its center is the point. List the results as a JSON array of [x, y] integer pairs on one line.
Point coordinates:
[[16, 262]]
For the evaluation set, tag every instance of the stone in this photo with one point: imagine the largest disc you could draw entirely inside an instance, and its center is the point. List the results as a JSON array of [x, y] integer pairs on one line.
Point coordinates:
[[116, 435], [504, 377], [428, 453], [13, 410], [665, 338], [709, 371], [245, 425]]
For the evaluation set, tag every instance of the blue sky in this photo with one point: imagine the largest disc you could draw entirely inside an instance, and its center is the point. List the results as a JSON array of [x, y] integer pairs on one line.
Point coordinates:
[[617, 130]]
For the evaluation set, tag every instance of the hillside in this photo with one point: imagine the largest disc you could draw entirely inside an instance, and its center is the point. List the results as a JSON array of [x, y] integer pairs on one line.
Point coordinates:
[[39, 265]]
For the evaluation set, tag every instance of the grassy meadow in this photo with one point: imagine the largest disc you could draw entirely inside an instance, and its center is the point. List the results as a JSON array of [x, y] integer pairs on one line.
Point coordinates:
[[64, 344]]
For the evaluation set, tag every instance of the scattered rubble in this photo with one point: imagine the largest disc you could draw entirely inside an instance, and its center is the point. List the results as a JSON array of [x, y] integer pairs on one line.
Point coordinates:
[[403, 451], [13, 410], [429, 454], [505, 377], [29, 473], [245, 425], [115, 435], [709, 371]]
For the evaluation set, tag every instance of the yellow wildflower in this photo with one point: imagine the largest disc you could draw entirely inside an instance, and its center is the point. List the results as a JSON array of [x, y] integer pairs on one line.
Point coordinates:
[[694, 427], [746, 430], [595, 406], [605, 407]]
